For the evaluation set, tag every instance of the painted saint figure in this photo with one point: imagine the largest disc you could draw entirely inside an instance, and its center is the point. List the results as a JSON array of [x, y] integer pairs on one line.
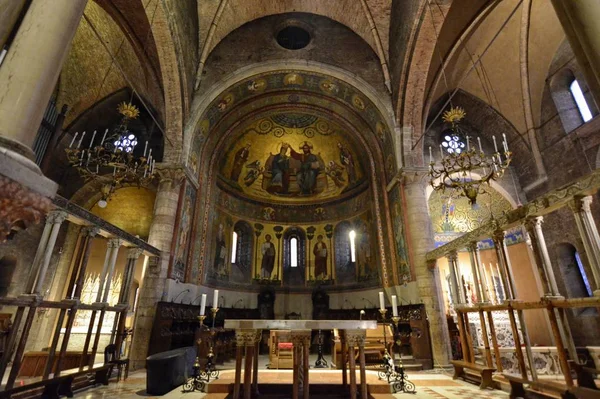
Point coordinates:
[[280, 182], [268, 259], [320, 252], [241, 156], [309, 168], [347, 160], [221, 253]]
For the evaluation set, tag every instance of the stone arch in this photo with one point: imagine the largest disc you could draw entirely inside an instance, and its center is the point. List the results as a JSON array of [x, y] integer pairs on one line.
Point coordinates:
[[241, 266], [563, 99], [345, 267], [294, 275]]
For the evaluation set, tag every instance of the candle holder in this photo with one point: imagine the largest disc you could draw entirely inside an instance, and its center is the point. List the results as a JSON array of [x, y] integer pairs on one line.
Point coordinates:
[[201, 378], [321, 363], [394, 375], [214, 315]]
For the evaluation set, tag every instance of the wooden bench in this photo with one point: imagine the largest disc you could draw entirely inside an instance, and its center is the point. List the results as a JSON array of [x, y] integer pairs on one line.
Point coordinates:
[[484, 372], [583, 393], [62, 385], [518, 389]]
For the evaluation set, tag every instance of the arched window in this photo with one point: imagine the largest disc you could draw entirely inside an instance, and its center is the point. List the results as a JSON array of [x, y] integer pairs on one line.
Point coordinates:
[[241, 252], [293, 252], [573, 272], [352, 237], [582, 105], [345, 262], [452, 142]]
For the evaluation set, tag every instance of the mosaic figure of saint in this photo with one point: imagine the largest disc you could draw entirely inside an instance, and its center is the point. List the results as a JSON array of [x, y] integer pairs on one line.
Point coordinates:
[[347, 160], [320, 253], [280, 182], [221, 252], [241, 156], [268, 260]]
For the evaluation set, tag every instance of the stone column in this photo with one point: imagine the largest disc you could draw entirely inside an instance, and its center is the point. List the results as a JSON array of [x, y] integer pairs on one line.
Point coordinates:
[[245, 339], [579, 20], [301, 341], [161, 236], [538, 247], [357, 338], [119, 324], [504, 264], [589, 235], [472, 248], [457, 297], [420, 240], [28, 76], [44, 254]]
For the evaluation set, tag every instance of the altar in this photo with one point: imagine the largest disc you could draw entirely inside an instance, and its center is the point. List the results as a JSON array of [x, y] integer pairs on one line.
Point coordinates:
[[249, 332]]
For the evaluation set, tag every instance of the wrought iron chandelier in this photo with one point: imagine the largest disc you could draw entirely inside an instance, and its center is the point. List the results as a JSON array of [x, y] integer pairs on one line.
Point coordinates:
[[112, 158], [463, 168]]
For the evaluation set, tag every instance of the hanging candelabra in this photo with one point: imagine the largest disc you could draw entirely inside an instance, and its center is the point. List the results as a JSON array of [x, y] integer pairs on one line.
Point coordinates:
[[112, 159], [464, 169]]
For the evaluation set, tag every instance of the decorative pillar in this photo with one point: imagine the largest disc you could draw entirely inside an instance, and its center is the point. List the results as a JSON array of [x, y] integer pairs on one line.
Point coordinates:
[[472, 248], [579, 20], [538, 246], [28, 77], [82, 257], [414, 182], [301, 341], [38, 272], [589, 235], [457, 297], [161, 236], [356, 338], [504, 261], [245, 342], [115, 244], [119, 324]]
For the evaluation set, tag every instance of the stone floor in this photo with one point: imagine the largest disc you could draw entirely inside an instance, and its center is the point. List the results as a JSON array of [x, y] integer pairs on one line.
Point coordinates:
[[434, 385]]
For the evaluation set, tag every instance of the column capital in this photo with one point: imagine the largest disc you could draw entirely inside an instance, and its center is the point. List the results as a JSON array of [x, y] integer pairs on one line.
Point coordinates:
[[246, 337], [452, 255], [300, 337], [172, 174], [114, 242], [579, 204], [498, 236], [356, 337], [532, 223], [90, 231], [472, 247], [56, 216], [134, 252]]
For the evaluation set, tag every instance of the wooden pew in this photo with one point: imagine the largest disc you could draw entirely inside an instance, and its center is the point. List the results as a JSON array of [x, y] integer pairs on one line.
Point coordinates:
[[484, 372], [553, 388]]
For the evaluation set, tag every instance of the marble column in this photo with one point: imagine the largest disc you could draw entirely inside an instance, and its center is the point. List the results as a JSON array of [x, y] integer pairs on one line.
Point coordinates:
[[457, 297], [356, 338], [539, 249], [153, 283], [420, 240], [475, 267], [589, 235], [42, 258], [579, 20], [133, 255], [301, 341], [28, 77], [504, 264], [245, 342]]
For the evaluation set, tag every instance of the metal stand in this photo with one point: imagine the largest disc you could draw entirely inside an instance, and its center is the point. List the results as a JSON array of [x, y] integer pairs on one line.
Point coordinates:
[[321, 363], [201, 378], [394, 375]]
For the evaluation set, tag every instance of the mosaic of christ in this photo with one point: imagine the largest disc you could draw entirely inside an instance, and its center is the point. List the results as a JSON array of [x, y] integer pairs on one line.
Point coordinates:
[[292, 158]]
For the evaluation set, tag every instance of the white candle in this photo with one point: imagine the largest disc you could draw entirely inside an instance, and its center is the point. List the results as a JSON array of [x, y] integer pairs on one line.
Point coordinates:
[[430, 155], [114, 170], [93, 137], [153, 163], [216, 300], [505, 143], [145, 147], [441, 152], [381, 301], [104, 137], [202, 304], [72, 141], [479, 142], [394, 306], [468, 144], [80, 139], [495, 145], [150, 154]]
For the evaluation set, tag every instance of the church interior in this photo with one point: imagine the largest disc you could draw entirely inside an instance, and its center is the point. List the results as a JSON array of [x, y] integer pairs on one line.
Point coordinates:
[[299, 198]]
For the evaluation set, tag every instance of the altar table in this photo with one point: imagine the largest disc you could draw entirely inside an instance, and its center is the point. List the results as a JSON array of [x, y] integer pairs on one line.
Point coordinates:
[[248, 334]]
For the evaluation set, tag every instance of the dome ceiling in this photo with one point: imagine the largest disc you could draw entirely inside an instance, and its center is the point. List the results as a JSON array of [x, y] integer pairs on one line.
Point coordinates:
[[291, 157]]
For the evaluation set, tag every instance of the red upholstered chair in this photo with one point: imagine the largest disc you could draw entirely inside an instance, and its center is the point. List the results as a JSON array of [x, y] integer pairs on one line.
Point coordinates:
[[281, 350]]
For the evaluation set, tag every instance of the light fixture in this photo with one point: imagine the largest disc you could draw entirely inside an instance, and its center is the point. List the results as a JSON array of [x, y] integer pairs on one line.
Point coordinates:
[[112, 158], [464, 168]]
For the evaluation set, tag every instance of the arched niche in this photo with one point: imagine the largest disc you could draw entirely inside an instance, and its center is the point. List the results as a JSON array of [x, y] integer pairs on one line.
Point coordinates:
[[345, 265], [241, 263], [294, 274]]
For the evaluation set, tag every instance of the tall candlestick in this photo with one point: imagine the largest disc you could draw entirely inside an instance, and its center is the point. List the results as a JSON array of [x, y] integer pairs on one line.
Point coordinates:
[[394, 306], [104, 137], [202, 304], [92, 140], [381, 301], [495, 145], [216, 300], [80, 139], [72, 141]]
